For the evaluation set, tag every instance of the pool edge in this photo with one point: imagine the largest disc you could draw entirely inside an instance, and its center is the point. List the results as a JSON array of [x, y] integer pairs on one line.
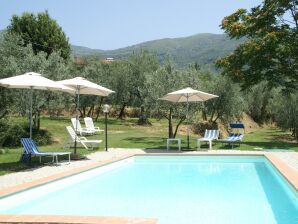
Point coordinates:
[[290, 175], [287, 172], [42, 181], [62, 219]]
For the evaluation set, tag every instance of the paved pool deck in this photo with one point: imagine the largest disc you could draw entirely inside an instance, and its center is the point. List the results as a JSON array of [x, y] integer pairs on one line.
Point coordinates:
[[285, 162]]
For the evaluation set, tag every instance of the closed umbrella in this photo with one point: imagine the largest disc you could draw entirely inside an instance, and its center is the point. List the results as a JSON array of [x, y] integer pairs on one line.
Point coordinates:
[[85, 87], [188, 95], [32, 80]]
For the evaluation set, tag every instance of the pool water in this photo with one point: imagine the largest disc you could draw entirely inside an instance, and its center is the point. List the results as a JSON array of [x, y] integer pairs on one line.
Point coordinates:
[[173, 189]]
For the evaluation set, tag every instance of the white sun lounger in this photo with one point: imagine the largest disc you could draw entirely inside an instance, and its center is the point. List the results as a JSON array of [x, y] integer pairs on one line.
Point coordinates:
[[82, 140], [90, 125], [79, 129], [208, 137]]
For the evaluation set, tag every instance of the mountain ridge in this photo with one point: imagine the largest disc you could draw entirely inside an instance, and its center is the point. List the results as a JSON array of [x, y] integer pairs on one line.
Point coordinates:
[[203, 48]]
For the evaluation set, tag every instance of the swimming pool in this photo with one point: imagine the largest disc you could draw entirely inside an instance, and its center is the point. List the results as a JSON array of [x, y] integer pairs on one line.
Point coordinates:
[[173, 189]]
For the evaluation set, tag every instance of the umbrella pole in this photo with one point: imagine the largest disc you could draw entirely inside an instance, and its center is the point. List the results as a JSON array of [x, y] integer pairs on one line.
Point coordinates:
[[77, 118], [30, 115], [187, 131]]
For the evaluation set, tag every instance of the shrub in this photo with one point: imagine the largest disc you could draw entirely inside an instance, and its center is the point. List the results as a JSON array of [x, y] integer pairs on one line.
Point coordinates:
[[199, 128], [13, 135], [12, 132]]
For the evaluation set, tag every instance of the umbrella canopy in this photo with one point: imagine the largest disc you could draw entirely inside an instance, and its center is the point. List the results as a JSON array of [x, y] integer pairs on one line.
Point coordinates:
[[84, 86], [33, 80], [187, 95]]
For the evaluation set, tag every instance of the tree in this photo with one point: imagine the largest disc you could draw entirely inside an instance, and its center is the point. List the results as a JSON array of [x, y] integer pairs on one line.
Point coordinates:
[[143, 64], [229, 104], [285, 111], [167, 79], [270, 51], [42, 32], [15, 60], [259, 100], [11, 55], [125, 85]]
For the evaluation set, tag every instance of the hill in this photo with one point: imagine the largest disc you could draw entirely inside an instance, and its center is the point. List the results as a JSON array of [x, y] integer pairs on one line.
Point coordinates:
[[201, 48]]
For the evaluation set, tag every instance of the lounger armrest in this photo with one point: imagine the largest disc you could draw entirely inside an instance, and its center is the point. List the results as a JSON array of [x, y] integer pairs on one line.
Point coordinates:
[[83, 138]]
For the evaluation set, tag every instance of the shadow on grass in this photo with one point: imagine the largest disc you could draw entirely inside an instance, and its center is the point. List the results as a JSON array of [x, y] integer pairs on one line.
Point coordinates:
[[147, 140], [10, 167], [271, 145]]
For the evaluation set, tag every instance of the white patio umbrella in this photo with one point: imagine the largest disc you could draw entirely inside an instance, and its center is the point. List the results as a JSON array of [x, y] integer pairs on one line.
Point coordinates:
[[85, 87], [32, 80], [187, 95]]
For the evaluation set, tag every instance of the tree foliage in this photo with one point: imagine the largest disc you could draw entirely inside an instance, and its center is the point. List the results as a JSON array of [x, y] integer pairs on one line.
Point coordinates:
[[230, 103], [270, 51], [285, 111], [41, 32], [16, 60]]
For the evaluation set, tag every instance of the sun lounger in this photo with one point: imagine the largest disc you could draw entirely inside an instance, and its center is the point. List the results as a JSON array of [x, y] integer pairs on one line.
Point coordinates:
[[90, 125], [31, 149], [79, 129], [82, 140], [208, 137], [235, 137]]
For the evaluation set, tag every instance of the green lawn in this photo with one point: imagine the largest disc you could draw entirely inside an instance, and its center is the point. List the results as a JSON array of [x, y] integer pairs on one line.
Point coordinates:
[[125, 134]]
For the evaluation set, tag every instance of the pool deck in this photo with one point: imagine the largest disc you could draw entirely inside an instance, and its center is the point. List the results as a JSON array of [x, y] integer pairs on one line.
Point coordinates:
[[285, 162]]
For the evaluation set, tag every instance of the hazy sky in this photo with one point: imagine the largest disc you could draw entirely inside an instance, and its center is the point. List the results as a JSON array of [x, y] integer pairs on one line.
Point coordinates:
[[111, 24]]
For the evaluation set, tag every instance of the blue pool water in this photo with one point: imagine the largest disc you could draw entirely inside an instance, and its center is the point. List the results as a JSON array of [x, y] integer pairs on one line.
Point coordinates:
[[173, 189]]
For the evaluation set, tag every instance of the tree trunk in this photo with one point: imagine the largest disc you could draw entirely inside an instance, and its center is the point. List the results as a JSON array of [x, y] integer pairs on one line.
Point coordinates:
[[177, 126], [81, 113], [122, 112], [170, 124], [98, 109], [38, 120], [143, 119], [89, 114], [4, 113], [204, 115]]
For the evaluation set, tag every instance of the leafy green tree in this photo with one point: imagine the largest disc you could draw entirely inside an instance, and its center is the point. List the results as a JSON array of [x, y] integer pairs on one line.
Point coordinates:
[[167, 79], [143, 64], [285, 110], [11, 54], [95, 71], [270, 50], [259, 99], [124, 84], [230, 103], [15, 60], [41, 32]]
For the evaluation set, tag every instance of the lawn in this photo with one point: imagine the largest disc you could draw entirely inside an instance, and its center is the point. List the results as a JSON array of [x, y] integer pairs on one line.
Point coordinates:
[[126, 134]]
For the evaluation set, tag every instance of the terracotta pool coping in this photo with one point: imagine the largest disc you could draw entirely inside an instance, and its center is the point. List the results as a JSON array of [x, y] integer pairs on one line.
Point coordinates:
[[73, 219], [41, 181], [289, 173]]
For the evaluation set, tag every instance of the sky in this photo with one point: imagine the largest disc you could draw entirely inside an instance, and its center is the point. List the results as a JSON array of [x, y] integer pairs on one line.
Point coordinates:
[[112, 24]]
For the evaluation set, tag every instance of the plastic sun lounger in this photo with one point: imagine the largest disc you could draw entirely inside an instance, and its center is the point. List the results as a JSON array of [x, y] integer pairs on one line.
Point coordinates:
[[78, 127], [208, 137], [233, 138], [235, 135], [31, 149], [82, 140], [90, 125]]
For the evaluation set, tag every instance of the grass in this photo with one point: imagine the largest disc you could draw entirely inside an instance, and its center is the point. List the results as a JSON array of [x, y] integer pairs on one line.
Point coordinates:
[[126, 134]]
